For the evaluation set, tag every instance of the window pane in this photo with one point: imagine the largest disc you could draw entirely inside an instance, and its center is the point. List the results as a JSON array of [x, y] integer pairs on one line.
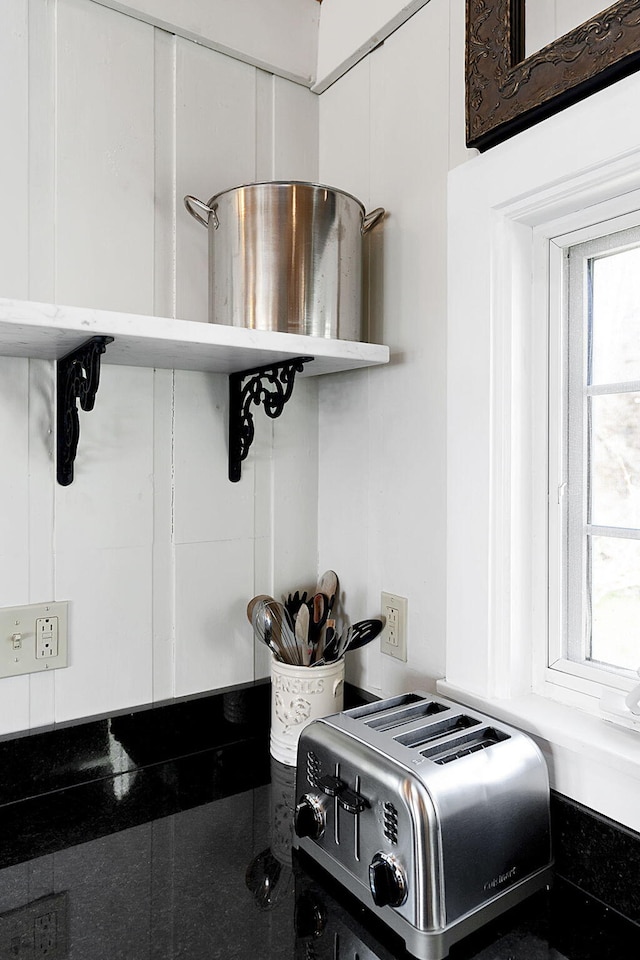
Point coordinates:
[[615, 460], [616, 317], [601, 468], [615, 608]]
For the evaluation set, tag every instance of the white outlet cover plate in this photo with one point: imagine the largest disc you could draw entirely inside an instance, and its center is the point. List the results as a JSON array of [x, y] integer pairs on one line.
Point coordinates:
[[398, 650], [18, 638]]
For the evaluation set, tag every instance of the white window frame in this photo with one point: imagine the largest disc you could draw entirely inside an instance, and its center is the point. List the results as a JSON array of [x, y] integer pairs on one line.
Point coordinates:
[[564, 298], [578, 168]]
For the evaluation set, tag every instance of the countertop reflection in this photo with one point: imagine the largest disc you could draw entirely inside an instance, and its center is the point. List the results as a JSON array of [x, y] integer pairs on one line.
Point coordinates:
[[218, 881], [165, 832]]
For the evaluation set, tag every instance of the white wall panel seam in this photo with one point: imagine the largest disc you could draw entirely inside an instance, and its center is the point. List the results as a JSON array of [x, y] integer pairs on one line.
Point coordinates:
[[40, 493], [272, 131], [55, 157], [13, 165], [165, 185], [40, 216], [163, 641], [14, 567], [29, 522], [264, 156], [174, 195], [41, 104], [174, 596]]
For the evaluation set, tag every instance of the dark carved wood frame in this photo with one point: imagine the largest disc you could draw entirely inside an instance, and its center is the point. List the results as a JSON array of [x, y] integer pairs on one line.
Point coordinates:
[[507, 94]]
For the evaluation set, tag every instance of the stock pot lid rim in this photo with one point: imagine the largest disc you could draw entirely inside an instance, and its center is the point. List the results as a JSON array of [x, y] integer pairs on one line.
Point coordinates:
[[286, 183]]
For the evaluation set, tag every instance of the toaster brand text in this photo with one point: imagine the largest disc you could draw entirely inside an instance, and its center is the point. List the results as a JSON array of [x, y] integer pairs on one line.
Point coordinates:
[[498, 881]]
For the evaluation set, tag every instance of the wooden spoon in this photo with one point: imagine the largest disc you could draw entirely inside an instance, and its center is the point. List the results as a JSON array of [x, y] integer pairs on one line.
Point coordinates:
[[329, 585]]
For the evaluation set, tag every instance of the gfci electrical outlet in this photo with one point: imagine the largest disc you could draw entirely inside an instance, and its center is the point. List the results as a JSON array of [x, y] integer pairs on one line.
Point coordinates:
[[393, 640], [33, 638], [36, 929]]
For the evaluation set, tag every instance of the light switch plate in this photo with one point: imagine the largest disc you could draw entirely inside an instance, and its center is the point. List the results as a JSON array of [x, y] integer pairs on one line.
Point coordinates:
[[33, 638]]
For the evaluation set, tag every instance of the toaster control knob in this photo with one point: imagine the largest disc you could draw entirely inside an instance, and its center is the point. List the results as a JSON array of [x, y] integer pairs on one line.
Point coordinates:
[[387, 881], [309, 818]]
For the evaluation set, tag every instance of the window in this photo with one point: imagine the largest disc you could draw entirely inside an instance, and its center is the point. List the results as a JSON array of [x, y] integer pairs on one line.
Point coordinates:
[[512, 215], [595, 424]]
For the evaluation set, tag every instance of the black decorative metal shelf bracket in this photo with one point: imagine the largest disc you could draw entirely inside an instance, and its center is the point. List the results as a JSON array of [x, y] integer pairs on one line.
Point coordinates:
[[270, 386], [78, 377]]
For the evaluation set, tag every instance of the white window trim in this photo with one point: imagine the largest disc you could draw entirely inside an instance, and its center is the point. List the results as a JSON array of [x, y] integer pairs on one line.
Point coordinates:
[[599, 236], [555, 178]]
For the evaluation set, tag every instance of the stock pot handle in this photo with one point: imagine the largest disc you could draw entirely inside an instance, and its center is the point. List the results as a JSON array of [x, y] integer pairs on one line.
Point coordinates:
[[193, 205], [370, 219]]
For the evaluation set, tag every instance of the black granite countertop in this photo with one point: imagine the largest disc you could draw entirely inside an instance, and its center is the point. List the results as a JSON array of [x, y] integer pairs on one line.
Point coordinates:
[[167, 854]]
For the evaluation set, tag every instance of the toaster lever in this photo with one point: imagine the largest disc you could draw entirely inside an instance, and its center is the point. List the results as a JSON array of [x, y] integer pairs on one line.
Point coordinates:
[[352, 802], [332, 786], [348, 799]]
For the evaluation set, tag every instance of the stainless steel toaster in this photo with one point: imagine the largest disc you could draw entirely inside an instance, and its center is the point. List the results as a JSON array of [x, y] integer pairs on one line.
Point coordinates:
[[436, 817]]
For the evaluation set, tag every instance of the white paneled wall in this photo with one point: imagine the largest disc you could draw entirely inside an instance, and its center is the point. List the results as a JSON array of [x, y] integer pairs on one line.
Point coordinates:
[[110, 121], [104, 158], [350, 29], [279, 36], [384, 134], [14, 162], [216, 130], [14, 517]]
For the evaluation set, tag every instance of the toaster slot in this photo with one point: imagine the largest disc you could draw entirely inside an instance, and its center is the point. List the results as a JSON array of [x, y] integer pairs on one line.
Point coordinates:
[[380, 706], [399, 718], [422, 735], [463, 746]]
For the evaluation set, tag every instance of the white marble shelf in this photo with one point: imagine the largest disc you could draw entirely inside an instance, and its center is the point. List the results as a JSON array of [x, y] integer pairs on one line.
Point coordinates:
[[49, 332]]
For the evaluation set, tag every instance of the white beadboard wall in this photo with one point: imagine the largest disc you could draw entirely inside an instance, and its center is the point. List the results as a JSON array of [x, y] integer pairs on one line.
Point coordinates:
[[350, 29], [391, 130], [384, 135], [257, 33], [110, 121]]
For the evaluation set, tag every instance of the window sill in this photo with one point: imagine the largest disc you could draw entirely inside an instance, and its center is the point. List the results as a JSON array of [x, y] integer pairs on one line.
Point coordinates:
[[590, 760]]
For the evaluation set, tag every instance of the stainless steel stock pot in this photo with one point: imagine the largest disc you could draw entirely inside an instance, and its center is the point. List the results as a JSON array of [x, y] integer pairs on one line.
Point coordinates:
[[286, 256]]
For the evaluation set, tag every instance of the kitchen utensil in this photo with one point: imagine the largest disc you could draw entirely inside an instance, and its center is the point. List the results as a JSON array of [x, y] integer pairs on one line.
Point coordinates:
[[293, 603], [318, 608], [322, 651], [302, 634], [263, 628], [253, 602], [277, 623], [351, 638], [435, 816], [363, 632], [330, 642], [286, 256], [343, 642], [329, 585]]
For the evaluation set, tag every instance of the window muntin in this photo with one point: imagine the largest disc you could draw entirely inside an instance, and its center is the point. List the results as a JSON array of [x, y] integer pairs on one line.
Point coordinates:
[[601, 452]]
